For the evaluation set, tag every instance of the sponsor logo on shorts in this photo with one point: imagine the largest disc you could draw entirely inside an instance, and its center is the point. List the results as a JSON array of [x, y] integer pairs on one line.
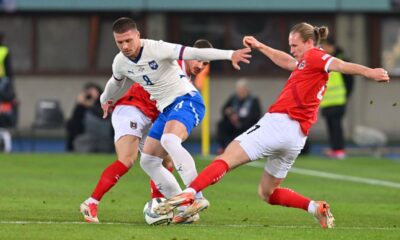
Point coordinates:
[[133, 125]]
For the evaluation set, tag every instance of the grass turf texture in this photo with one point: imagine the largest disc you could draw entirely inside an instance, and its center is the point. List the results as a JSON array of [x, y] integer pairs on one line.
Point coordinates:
[[43, 192]]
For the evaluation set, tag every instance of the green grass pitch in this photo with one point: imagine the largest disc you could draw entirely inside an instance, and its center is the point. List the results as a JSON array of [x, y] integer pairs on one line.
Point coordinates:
[[40, 196]]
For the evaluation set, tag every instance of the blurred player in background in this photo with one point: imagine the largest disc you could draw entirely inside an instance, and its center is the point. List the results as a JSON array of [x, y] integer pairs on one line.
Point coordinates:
[[153, 65], [333, 106], [132, 117], [282, 131]]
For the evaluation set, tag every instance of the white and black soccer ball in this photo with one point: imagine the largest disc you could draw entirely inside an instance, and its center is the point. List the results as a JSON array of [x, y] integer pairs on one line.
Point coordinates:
[[153, 218]]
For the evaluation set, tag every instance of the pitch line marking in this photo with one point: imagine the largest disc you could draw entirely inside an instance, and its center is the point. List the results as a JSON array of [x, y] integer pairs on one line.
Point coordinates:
[[335, 176], [193, 225]]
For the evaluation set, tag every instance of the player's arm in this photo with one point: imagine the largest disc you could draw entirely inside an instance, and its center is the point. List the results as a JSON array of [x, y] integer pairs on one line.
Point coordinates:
[[178, 52], [114, 90], [377, 74], [210, 54], [280, 58]]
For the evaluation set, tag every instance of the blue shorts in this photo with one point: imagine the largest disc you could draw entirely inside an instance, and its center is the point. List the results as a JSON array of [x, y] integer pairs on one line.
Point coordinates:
[[188, 109]]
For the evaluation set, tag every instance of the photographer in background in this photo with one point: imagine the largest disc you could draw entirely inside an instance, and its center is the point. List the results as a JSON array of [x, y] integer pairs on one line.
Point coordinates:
[[240, 112], [86, 130]]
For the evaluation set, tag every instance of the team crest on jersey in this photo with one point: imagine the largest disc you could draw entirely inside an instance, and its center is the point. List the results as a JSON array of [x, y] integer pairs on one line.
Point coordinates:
[[302, 65], [153, 65], [133, 125]]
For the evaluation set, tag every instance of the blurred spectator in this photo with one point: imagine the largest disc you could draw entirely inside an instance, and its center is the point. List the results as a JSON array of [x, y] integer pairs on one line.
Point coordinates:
[[333, 105], [8, 102], [240, 112], [87, 131]]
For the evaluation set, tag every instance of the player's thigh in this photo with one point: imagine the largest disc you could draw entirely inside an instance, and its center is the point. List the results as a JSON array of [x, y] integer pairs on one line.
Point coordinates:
[[153, 147], [177, 128], [234, 155]]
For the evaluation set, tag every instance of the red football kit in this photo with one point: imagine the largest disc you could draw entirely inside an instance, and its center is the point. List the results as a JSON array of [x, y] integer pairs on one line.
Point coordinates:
[[138, 97], [303, 92]]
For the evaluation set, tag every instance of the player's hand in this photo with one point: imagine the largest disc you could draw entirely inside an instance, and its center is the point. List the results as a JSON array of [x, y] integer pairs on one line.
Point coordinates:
[[107, 108], [240, 55], [378, 74], [251, 42]]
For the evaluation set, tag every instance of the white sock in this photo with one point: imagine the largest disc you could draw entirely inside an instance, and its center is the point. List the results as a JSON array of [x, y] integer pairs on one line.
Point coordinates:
[[312, 208], [190, 190], [183, 161], [164, 179], [92, 200]]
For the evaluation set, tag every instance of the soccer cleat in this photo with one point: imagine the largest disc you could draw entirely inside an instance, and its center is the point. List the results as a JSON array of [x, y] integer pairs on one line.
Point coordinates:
[[323, 215], [180, 219], [197, 206], [174, 202], [89, 212]]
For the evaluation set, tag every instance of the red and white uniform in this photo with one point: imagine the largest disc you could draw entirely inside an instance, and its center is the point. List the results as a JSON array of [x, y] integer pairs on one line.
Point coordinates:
[[303, 92], [138, 97], [281, 133]]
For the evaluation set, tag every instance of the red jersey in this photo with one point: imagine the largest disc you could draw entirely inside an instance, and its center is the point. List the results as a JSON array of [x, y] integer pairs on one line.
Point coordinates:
[[138, 97], [305, 88]]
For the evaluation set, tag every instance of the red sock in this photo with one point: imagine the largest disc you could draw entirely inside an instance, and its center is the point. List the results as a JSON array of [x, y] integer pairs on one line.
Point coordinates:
[[289, 198], [210, 175], [109, 178], [155, 193]]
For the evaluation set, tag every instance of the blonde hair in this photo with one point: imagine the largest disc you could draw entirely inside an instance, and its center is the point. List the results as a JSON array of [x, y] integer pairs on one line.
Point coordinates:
[[308, 31]]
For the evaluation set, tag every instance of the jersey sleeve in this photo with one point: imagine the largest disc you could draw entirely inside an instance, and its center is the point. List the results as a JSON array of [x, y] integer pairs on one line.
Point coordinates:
[[166, 50], [116, 69], [321, 60]]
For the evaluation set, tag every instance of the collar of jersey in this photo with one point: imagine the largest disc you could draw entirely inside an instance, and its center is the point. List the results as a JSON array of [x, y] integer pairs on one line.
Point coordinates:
[[137, 58]]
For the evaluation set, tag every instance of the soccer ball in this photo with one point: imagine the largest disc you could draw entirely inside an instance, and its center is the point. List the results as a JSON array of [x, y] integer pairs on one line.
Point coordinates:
[[153, 218]]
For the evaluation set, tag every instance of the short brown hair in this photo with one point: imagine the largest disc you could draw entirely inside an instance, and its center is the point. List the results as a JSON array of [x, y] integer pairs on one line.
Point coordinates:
[[124, 24], [202, 43], [308, 31]]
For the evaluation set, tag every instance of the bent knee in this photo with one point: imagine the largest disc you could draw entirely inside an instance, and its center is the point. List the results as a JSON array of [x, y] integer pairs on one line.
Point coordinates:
[[128, 160], [169, 140], [148, 161]]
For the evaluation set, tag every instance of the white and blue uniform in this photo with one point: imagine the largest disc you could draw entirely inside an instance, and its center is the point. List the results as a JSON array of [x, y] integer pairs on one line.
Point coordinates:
[[156, 69]]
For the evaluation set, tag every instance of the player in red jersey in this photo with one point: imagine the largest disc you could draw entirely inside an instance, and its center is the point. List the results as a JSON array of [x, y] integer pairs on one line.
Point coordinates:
[[281, 133], [132, 117]]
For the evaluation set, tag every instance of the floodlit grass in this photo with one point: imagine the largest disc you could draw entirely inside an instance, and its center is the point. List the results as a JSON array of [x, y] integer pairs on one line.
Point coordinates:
[[41, 193]]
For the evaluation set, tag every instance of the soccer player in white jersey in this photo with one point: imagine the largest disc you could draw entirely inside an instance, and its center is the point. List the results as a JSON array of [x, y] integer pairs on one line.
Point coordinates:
[[132, 117], [153, 65]]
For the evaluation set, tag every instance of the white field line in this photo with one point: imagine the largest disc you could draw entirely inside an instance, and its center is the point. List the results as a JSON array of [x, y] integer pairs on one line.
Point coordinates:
[[192, 225], [335, 176]]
